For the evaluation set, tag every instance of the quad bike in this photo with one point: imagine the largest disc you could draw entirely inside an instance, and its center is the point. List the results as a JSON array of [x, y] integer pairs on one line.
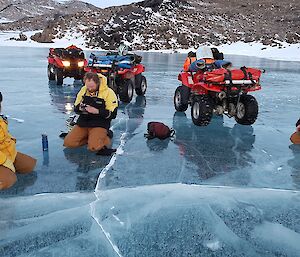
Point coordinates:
[[218, 91], [124, 73], [66, 62]]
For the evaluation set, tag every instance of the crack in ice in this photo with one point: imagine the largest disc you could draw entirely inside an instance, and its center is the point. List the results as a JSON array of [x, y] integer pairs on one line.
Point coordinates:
[[102, 174]]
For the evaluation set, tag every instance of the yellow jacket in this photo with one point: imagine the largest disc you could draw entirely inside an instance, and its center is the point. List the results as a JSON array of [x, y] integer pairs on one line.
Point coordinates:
[[8, 150], [105, 93]]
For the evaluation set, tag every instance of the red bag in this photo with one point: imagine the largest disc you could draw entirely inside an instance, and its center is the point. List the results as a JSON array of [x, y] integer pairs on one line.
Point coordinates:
[[159, 130], [236, 75], [220, 75], [217, 75]]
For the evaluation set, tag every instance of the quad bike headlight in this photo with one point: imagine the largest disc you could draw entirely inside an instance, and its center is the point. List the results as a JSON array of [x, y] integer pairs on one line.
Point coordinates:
[[66, 63], [81, 64]]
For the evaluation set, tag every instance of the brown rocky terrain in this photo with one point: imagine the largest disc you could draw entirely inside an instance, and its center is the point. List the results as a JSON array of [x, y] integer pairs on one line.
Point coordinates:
[[165, 24]]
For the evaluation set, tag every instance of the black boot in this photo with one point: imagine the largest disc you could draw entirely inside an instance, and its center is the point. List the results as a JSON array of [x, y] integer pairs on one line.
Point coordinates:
[[63, 135], [106, 151], [110, 134]]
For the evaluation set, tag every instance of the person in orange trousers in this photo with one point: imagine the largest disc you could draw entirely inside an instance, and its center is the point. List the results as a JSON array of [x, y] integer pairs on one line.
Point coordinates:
[[11, 161], [295, 137], [96, 105]]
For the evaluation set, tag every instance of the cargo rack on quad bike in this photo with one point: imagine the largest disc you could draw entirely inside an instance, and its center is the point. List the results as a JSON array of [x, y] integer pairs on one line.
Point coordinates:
[[75, 53], [190, 79]]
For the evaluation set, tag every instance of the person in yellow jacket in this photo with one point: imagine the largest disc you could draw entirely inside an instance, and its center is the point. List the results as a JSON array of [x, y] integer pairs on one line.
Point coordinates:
[[96, 105], [11, 161]]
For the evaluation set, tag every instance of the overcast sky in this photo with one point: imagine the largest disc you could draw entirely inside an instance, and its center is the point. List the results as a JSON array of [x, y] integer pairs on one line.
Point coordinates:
[[106, 3]]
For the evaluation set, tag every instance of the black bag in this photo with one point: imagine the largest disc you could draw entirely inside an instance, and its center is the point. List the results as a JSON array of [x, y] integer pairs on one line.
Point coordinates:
[[159, 130], [95, 102]]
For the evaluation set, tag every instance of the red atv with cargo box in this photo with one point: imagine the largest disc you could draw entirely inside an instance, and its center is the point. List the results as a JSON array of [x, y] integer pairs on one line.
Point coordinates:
[[210, 90]]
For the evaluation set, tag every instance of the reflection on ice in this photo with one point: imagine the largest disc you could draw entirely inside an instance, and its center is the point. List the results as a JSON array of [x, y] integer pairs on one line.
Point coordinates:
[[63, 97], [215, 149]]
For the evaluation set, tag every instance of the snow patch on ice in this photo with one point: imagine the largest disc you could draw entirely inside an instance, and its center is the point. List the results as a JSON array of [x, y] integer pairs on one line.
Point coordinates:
[[213, 245]]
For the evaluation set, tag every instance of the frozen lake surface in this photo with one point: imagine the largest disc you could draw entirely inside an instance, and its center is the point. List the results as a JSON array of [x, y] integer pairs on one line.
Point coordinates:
[[221, 190]]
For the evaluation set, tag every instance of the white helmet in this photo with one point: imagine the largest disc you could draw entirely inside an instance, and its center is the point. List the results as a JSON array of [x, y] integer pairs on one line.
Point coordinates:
[[204, 52]]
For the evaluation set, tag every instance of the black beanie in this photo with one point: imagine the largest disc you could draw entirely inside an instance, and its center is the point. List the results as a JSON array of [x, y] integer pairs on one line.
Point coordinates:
[[298, 123]]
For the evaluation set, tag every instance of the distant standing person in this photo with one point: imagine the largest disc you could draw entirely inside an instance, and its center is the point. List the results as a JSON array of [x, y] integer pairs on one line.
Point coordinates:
[[11, 161], [295, 137], [97, 105]]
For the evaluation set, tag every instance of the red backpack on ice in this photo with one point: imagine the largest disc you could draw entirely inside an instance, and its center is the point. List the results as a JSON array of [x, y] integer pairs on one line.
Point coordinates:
[[159, 130]]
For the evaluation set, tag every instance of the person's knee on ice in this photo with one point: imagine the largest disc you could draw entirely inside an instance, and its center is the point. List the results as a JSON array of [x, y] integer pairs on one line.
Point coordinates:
[[96, 105], [7, 178], [68, 143], [98, 139], [9, 163], [24, 163], [76, 137]]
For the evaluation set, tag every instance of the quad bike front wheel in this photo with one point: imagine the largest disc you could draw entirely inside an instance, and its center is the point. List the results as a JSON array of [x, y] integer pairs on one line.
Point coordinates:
[[180, 103], [59, 76], [126, 89], [202, 110], [246, 110], [51, 75], [140, 84]]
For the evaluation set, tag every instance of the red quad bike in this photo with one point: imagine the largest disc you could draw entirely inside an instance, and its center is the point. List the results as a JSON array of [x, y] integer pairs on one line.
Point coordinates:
[[66, 62], [124, 73], [219, 92]]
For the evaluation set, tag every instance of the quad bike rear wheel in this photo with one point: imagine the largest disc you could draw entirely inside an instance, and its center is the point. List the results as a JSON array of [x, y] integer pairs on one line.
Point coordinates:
[[246, 110], [140, 84], [51, 75], [59, 76], [202, 110], [126, 88], [180, 103]]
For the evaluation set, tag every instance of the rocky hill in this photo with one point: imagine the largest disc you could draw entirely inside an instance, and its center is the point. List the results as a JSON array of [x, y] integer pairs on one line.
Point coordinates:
[[166, 24]]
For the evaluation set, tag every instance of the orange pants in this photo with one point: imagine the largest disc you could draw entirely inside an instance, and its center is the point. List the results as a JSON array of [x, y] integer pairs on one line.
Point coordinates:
[[95, 138], [23, 164]]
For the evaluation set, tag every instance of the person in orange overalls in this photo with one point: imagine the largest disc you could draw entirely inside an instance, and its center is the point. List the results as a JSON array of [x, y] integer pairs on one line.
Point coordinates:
[[11, 161], [189, 60]]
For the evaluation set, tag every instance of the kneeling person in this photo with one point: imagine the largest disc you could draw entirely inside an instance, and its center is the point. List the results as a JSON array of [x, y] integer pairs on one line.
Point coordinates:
[[96, 105], [11, 161]]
